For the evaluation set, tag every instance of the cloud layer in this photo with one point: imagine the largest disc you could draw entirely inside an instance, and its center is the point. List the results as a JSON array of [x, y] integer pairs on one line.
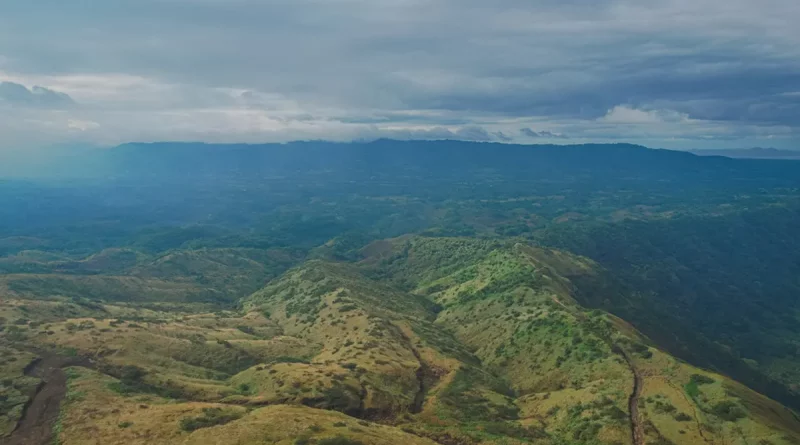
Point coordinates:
[[19, 95], [676, 73]]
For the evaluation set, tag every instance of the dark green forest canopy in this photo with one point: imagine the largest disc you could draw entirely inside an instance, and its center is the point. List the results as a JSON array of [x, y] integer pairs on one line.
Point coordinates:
[[701, 253]]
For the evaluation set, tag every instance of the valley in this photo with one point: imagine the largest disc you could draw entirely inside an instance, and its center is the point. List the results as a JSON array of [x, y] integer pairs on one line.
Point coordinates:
[[483, 306]]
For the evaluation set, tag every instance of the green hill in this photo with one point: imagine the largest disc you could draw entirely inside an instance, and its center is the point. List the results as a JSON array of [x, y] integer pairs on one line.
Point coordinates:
[[440, 340], [402, 293]]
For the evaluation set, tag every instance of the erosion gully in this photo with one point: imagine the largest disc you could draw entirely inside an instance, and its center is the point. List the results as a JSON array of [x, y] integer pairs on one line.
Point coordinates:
[[40, 414]]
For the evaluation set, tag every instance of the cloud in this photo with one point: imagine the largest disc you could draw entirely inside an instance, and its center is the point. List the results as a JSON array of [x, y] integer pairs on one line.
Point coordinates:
[[80, 125], [623, 114], [469, 133], [531, 133], [627, 115], [607, 70], [473, 133], [19, 95], [502, 136]]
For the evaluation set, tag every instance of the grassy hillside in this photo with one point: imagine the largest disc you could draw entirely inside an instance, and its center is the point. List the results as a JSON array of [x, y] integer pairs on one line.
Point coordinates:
[[717, 290], [216, 276], [571, 369], [94, 414], [425, 340], [384, 339]]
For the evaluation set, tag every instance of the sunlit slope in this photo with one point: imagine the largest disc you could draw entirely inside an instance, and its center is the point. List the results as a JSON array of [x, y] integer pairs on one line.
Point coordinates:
[[572, 369], [374, 342], [95, 414], [219, 276], [426, 340]]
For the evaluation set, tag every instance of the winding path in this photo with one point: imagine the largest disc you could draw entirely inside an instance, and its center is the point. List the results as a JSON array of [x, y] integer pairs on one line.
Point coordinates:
[[637, 431], [421, 372]]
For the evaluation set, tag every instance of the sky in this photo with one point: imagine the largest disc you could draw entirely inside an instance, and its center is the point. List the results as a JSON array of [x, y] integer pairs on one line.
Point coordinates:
[[685, 74]]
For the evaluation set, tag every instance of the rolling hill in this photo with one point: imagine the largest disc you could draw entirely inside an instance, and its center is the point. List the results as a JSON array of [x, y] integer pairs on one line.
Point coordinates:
[[402, 293]]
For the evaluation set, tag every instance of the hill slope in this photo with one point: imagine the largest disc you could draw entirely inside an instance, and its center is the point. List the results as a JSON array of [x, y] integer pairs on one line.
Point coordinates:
[[203, 291], [445, 340]]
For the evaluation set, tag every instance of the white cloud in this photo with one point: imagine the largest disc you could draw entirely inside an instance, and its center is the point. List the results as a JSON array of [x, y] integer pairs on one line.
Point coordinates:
[[624, 114], [80, 125]]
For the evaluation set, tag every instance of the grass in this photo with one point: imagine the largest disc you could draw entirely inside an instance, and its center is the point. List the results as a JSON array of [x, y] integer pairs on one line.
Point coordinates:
[[154, 419], [692, 389], [394, 339], [339, 440], [14, 386]]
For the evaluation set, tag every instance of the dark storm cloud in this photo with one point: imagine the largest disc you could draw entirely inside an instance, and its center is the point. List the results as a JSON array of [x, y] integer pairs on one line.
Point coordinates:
[[471, 69]]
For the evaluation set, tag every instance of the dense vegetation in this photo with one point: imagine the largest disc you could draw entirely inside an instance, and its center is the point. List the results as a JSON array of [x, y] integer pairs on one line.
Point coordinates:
[[426, 292], [729, 281]]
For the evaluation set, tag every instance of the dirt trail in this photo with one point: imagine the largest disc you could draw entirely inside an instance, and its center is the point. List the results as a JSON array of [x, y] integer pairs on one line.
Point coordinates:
[[637, 430], [40, 414], [694, 411], [421, 372], [419, 397]]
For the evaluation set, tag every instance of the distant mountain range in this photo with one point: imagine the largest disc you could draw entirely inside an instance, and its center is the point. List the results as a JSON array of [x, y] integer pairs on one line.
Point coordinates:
[[751, 153], [179, 161]]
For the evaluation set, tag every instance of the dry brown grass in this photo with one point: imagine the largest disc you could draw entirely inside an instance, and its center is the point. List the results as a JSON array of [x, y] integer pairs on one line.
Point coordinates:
[[94, 415]]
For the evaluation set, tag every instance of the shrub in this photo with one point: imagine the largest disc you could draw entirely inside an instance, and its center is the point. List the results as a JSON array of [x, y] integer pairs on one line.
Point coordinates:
[[15, 333], [211, 417], [246, 329], [287, 359], [701, 379], [131, 374], [510, 429], [339, 440], [86, 324], [728, 410], [664, 407], [302, 440]]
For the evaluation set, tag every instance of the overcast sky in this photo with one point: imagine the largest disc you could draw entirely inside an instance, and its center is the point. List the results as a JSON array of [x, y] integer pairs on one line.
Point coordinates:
[[665, 73]]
